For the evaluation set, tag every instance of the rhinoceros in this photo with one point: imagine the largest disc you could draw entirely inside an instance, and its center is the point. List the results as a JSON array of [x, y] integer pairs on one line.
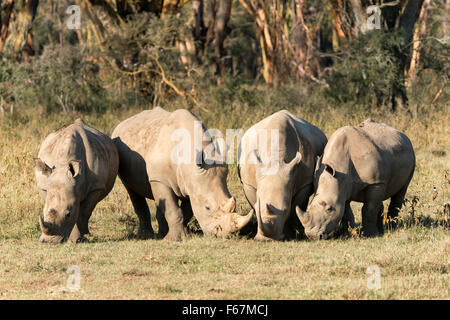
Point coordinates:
[[182, 183], [75, 169], [277, 175], [367, 163]]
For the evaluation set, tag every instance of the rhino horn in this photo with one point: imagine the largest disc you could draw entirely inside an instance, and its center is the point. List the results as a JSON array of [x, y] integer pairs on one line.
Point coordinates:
[[302, 216], [45, 226], [242, 221]]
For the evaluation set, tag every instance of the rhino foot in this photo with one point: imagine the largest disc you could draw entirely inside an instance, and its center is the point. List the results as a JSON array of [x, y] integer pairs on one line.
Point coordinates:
[[144, 233], [176, 234]]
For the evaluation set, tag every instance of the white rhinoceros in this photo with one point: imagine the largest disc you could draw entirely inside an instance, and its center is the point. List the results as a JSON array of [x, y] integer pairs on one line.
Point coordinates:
[[277, 159], [75, 169], [182, 184], [367, 163]]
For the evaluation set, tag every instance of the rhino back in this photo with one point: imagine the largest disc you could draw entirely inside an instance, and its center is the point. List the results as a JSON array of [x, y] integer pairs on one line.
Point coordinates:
[[132, 138], [295, 135], [80, 142], [372, 153], [145, 147], [101, 157]]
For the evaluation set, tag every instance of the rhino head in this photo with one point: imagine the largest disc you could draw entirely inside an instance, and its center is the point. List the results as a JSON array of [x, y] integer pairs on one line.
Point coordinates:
[[212, 204], [59, 187], [274, 197], [327, 206]]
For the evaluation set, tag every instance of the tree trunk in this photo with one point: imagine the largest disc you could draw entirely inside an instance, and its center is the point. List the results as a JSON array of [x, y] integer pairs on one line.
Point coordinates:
[[265, 30], [406, 26], [5, 17], [26, 11], [199, 31], [360, 18], [220, 35], [419, 33]]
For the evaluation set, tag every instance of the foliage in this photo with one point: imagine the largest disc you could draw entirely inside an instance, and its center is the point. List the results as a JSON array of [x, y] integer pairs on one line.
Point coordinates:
[[138, 62], [367, 70], [59, 79]]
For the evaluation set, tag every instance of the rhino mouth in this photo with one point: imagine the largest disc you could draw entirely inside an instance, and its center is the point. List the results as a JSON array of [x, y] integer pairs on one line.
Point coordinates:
[[50, 232], [267, 231], [52, 239], [315, 237]]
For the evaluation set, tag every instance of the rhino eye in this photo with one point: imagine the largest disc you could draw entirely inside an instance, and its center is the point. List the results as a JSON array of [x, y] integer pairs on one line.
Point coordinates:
[[330, 209], [207, 208]]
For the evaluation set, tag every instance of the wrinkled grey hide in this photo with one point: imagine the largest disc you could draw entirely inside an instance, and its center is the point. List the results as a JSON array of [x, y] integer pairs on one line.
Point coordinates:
[[75, 169], [367, 163], [274, 184], [180, 190]]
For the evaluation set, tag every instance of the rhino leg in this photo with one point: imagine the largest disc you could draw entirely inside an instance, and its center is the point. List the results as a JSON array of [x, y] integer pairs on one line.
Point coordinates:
[[81, 228], [373, 200], [380, 226], [168, 213], [300, 199], [143, 212], [187, 211], [348, 219], [394, 208], [250, 194]]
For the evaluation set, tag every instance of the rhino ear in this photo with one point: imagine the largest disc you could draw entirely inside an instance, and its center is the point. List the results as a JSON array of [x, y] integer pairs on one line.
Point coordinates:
[[42, 167], [74, 168], [330, 170], [295, 161], [229, 205]]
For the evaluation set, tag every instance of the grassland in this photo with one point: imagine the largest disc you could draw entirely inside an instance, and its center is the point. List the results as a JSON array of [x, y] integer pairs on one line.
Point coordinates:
[[413, 261]]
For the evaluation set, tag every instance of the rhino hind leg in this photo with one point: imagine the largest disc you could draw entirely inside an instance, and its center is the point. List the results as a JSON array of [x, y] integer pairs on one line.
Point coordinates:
[[373, 200], [394, 208], [168, 213], [143, 212]]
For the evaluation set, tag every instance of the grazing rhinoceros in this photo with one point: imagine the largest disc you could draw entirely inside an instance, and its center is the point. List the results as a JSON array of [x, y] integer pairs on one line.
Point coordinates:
[[367, 163], [75, 169], [151, 167], [274, 186]]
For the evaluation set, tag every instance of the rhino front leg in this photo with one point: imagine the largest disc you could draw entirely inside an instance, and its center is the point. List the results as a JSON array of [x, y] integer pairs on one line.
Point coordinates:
[[380, 220], [373, 200], [300, 199], [168, 213], [81, 228], [187, 211], [348, 220]]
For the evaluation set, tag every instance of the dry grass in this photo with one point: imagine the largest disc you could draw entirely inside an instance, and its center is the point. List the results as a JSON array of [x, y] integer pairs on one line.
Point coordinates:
[[413, 260]]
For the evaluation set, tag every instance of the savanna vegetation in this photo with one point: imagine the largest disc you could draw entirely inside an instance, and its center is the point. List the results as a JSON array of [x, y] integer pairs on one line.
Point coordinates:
[[232, 63]]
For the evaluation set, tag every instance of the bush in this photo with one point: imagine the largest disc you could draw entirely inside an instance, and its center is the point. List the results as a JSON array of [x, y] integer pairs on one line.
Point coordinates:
[[367, 71], [62, 78]]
